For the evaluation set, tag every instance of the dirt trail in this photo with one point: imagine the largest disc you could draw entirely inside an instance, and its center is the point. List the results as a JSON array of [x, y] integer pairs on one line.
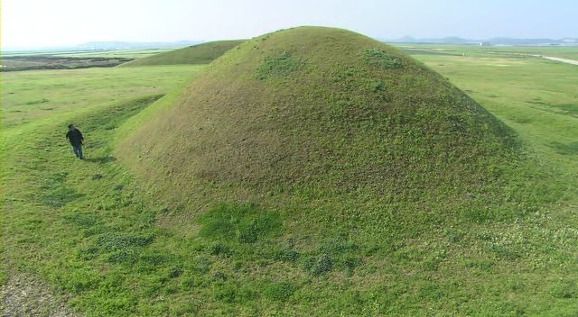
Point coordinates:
[[563, 60], [23, 295]]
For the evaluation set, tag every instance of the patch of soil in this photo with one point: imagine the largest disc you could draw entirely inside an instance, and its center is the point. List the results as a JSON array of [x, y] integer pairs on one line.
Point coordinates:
[[24, 295]]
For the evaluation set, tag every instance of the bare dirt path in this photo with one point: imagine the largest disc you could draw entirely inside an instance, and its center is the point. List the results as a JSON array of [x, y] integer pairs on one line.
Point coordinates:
[[563, 60], [25, 296]]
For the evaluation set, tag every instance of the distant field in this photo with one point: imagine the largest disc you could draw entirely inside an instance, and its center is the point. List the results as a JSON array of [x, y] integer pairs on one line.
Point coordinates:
[[103, 247], [125, 53], [29, 60], [128, 53], [18, 63], [72, 59], [570, 52], [31, 95]]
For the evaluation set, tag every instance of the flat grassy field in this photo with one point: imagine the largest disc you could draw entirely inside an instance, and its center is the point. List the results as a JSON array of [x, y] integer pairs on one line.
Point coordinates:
[[99, 243], [569, 52]]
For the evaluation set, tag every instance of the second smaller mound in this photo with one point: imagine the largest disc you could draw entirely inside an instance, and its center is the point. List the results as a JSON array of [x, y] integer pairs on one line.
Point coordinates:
[[203, 53]]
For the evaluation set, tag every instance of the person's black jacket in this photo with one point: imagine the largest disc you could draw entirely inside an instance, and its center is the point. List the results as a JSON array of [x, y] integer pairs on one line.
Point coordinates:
[[75, 137]]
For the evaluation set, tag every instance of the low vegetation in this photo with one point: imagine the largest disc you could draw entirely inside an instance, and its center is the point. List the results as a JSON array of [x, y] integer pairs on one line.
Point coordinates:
[[485, 229]]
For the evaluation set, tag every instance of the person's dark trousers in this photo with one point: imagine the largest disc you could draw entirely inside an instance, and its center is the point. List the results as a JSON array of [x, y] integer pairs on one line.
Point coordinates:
[[77, 149]]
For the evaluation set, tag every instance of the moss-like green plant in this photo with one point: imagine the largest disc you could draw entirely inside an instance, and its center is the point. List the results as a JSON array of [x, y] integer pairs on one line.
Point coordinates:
[[278, 65], [279, 291], [243, 223], [381, 58]]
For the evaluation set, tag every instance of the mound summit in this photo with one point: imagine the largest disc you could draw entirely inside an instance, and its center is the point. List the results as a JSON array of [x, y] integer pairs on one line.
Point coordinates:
[[320, 113]]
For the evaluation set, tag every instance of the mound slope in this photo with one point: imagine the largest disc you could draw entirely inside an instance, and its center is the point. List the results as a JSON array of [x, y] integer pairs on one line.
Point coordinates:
[[197, 54], [321, 113]]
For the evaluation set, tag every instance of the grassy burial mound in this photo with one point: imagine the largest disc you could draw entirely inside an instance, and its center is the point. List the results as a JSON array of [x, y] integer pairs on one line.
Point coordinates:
[[326, 172], [327, 116], [197, 54]]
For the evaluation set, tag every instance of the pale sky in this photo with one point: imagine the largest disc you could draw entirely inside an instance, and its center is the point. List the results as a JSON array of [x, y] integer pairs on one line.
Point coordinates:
[[51, 23]]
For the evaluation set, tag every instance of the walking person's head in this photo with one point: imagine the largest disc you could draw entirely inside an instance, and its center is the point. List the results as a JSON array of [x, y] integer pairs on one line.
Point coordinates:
[[71, 126]]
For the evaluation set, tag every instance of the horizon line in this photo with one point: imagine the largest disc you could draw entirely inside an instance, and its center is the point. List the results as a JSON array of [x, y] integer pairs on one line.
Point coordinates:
[[402, 39]]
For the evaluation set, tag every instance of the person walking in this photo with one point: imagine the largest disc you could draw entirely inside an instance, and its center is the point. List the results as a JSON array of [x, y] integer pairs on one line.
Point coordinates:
[[76, 139]]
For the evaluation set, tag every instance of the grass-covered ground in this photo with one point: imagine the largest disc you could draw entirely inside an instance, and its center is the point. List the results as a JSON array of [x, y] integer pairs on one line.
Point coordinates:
[[99, 237]]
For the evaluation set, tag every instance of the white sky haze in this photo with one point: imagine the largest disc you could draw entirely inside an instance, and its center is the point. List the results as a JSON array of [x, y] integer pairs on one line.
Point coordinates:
[[51, 23]]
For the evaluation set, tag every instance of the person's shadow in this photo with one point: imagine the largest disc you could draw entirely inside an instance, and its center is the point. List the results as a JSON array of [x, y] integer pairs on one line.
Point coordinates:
[[101, 160]]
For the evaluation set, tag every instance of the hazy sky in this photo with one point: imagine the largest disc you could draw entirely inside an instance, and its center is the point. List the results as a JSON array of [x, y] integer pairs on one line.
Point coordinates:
[[41, 23]]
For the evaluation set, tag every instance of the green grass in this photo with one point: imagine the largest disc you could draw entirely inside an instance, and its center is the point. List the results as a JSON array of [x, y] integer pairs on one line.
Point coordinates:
[[55, 92], [49, 200], [109, 242]]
